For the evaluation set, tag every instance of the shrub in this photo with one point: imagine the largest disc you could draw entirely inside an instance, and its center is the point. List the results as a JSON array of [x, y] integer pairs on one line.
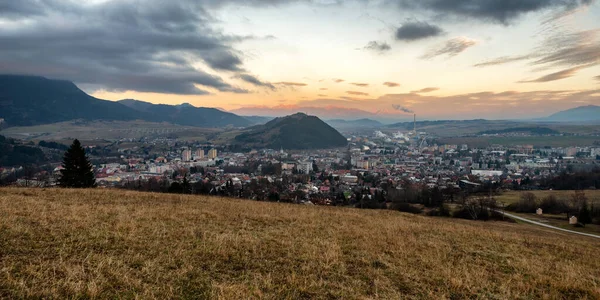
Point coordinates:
[[527, 203], [553, 205], [407, 207]]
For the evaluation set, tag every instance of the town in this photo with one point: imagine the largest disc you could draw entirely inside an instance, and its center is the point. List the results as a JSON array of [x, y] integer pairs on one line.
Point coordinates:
[[372, 165]]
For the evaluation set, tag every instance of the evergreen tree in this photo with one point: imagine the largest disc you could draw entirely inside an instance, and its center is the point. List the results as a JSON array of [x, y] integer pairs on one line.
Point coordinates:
[[77, 172], [585, 216]]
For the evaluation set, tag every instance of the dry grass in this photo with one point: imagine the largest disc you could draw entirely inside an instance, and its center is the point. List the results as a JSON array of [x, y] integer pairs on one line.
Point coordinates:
[[116, 244]]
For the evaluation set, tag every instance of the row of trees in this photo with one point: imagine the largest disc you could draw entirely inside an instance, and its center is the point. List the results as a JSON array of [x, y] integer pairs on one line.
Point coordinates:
[[576, 204]]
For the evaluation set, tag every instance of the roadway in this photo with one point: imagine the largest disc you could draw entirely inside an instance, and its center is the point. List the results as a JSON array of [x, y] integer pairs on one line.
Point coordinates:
[[547, 226]]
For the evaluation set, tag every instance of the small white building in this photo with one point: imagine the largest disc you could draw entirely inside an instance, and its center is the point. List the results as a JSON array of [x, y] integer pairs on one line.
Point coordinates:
[[573, 220]]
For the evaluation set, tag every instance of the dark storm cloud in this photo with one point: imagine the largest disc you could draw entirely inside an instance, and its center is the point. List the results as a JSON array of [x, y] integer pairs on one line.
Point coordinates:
[[223, 60], [413, 31], [499, 11], [255, 81], [450, 48], [149, 46], [380, 47]]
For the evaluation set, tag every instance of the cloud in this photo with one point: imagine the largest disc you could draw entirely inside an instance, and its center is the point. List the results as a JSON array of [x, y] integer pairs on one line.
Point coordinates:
[[485, 104], [413, 31], [255, 81], [562, 48], [336, 80], [450, 48], [323, 89], [556, 76], [223, 60], [503, 60], [322, 95], [425, 90], [391, 84], [119, 45], [403, 109], [497, 11], [380, 47], [569, 49], [597, 77], [293, 84], [360, 84], [357, 93]]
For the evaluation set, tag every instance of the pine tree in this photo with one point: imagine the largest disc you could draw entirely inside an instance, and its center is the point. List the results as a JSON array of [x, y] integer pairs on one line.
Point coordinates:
[[585, 216], [77, 172]]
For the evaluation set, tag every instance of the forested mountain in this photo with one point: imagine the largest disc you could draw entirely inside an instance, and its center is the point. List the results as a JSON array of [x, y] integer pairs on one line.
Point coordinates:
[[298, 131], [30, 100], [186, 114]]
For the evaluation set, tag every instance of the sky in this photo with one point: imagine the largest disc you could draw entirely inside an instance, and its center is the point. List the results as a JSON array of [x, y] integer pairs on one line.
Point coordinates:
[[381, 59]]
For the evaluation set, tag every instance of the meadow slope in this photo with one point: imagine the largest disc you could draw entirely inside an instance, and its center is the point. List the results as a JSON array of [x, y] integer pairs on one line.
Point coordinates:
[[57, 243]]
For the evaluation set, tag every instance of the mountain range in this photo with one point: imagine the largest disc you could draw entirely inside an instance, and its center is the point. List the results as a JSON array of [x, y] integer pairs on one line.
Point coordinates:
[[351, 124], [187, 114], [589, 113], [31, 100], [298, 131]]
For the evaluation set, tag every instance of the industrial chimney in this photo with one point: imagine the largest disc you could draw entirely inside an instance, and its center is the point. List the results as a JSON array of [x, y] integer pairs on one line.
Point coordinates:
[[415, 130]]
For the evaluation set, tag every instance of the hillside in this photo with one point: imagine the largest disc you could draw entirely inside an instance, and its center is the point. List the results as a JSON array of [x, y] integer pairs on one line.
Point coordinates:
[[298, 131], [14, 154], [349, 124], [30, 100], [114, 244], [589, 113], [186, 114]]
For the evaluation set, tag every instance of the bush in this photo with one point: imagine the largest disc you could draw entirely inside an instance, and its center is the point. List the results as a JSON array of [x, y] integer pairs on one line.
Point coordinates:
[[552, 205], [441, 211], [527, 203], [407, 207]]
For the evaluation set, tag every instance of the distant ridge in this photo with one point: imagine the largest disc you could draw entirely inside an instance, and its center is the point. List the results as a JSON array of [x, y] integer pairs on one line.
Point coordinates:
[[589, 113], [298, 131], [34, 100], [189, 115], [360, 123]]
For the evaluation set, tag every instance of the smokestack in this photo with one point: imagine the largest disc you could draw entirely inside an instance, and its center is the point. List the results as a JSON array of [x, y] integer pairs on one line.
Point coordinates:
[[415, 131]]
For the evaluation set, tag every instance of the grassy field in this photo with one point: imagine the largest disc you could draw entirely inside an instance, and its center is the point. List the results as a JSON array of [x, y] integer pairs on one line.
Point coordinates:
[[115, 244], [106, 130], [509, 197], [593, 196]]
